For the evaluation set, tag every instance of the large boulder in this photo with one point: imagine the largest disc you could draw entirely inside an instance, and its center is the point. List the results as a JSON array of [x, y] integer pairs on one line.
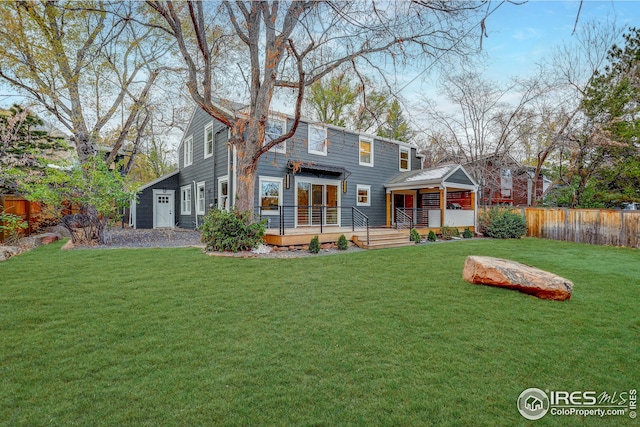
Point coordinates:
[[513, 275]]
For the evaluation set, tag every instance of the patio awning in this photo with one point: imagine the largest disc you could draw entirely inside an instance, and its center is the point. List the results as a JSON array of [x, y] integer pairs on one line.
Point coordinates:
[[317, 168]]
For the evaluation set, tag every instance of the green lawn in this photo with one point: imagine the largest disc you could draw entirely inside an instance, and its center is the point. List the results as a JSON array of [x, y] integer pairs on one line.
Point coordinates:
[[390, 337]]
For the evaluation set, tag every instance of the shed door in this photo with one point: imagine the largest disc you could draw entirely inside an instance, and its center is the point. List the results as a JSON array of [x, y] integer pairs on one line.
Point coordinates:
[[163, 210]]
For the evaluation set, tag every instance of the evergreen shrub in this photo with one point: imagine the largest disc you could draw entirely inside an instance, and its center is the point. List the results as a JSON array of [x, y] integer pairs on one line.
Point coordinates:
[[343, 245], [314, 245], [503, 223]]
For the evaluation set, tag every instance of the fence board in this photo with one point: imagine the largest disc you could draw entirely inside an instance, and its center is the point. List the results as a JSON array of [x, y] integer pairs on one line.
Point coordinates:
[[17, 205], [595, 226]]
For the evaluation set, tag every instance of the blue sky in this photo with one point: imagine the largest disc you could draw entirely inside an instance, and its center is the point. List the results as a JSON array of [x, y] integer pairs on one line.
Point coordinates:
[[521, 36]]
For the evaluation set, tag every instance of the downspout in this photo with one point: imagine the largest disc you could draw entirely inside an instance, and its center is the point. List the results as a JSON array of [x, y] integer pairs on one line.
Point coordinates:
[[234, 176], [195, 202]]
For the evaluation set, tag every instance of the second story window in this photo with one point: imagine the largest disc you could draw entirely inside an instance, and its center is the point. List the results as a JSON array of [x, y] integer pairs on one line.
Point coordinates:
[[275, 128], [366, 151], [317, 140], [404, 159], [208, 140], [187, 148]]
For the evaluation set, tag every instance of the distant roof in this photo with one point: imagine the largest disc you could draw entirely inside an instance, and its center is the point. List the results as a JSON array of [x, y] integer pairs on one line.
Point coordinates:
[[443, 175]]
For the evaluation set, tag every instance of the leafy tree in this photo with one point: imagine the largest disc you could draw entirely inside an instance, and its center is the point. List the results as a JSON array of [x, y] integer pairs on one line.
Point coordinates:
[[395, 125], [611, 104], [91, 188], [370, 114], [330, 101], [25, 145]]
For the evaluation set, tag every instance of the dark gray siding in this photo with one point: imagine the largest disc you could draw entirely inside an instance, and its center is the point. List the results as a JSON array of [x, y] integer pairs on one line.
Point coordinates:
[[201, 169], [144, 208], [459, 177], [343, 151], [416, 162]]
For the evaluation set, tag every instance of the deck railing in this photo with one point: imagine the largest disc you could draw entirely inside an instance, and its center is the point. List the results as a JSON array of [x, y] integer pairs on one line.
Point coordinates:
[[358, 219], [292, 216], [404, 219]]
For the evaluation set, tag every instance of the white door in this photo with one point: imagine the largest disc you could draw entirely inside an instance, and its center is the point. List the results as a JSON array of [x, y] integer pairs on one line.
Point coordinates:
[[163, 208]]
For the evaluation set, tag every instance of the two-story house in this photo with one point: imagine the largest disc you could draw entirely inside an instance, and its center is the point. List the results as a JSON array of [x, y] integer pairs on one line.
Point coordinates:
[[323, 178]]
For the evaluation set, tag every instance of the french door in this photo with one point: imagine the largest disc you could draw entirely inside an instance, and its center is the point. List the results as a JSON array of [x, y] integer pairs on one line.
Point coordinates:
[[318, 202]]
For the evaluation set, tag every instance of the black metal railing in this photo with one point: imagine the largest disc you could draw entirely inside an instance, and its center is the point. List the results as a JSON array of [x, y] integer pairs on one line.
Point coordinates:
[[358, 219], [292, 216]]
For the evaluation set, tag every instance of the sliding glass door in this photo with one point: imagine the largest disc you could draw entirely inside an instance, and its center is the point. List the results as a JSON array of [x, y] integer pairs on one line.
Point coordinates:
[[318, 202]]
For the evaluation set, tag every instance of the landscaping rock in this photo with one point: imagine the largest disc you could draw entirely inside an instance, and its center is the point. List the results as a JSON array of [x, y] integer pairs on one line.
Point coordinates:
[[7, 252], [46, 238], [513, 275]]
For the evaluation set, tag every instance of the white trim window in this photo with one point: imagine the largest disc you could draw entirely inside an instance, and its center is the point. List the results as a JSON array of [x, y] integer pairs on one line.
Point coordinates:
[[209, 139], [365, 151], [223, 193], [405, 164], [187, 148], [275, 128], [363, 195], [317, 140], [201, 199], [185, 200], [270, 195]]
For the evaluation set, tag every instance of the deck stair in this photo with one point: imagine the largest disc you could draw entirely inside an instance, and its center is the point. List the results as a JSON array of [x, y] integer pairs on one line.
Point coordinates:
[[381, 238]]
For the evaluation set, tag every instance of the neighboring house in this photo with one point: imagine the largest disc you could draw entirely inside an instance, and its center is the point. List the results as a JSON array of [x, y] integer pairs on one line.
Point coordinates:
[[505, 181], [324, 176]]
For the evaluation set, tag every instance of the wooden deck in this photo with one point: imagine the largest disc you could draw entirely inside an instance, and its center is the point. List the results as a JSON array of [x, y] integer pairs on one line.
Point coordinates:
[[303, 235]]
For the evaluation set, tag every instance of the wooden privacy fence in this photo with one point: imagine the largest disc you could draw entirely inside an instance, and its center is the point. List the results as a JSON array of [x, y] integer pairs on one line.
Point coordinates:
[[596, 226], [18, 205]]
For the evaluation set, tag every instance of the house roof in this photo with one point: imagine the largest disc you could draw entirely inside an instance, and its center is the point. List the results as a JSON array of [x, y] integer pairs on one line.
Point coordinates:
[[157, 180], [242, 109], [450, 175]]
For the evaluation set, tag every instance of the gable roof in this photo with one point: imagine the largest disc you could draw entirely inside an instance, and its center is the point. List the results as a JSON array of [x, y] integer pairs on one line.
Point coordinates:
[[450, 175], [157, 180]]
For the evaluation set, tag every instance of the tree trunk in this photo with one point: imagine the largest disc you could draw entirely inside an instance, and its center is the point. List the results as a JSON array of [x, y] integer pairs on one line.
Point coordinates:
[[244, 136]]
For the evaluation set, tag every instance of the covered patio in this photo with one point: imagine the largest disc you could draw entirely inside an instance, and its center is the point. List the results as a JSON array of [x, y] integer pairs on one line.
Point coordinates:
[[429, 199]]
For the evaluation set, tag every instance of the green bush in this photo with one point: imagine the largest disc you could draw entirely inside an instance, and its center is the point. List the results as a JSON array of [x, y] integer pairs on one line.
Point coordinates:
[[467, 234], [450, 232], [503, 223], [231, 231], [343, 245], [12, 225], [415, 236], [314, 245], [432, 236]]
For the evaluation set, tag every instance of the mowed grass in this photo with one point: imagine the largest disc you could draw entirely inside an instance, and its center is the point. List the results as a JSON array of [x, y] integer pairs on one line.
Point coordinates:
[[391, 337]]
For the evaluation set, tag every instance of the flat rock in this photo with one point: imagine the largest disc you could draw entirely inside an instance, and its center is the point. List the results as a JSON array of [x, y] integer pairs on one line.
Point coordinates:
[[514, 275], [47, 238]]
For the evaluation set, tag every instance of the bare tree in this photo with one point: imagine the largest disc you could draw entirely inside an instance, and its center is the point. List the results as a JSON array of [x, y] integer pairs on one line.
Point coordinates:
[[287, 46], [483, 118], [85, 63]]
